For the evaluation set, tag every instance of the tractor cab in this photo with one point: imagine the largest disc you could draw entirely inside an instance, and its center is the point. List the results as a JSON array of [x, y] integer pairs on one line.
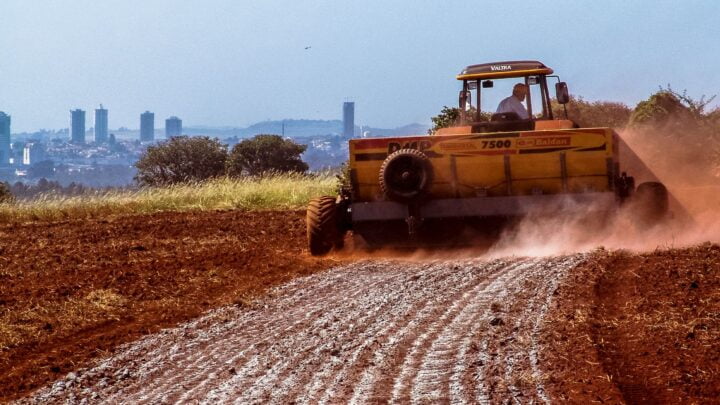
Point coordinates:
[[485, 85]]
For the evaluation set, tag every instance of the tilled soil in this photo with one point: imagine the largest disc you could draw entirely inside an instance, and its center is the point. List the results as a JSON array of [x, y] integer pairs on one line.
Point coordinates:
[[429, 332], [637, 328], [74, 290], [601, 327], [658, 316]]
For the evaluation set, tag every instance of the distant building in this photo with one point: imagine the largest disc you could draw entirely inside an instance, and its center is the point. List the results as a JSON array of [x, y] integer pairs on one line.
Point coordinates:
[[16, 152], [173, 127], [4, 139], [348, 119], [77, 128], [33, 152], [101, 125], [147, 127]]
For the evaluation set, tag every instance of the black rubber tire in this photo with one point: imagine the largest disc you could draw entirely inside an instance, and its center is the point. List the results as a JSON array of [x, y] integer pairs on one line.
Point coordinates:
[[323, 231], [405, 175], [651, 200]]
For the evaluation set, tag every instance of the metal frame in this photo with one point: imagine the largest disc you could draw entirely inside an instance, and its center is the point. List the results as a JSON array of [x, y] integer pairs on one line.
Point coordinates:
[[547, 106], [544, 95], [528, 97], [487, 206]]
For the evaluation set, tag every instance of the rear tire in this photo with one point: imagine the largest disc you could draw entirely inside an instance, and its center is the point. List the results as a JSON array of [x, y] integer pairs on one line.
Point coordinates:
[[651, 203], [323, 228]]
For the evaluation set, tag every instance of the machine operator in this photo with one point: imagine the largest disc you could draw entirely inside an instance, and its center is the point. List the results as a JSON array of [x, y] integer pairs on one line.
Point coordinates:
[[514, 102]]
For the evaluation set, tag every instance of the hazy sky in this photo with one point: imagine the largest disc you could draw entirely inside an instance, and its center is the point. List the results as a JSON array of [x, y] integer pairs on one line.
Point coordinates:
[[234, 62]]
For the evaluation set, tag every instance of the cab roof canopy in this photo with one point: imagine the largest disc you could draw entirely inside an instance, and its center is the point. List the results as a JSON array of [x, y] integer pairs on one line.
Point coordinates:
[[498, 70]]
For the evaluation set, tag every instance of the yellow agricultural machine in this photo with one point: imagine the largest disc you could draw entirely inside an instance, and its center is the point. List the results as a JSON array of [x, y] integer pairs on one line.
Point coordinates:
[[480, 173]]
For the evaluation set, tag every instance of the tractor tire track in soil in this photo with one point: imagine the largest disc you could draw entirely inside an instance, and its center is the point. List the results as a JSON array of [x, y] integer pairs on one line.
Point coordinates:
[[374, 331]]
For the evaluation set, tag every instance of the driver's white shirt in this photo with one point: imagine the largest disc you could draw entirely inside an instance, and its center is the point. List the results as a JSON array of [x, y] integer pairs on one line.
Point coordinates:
[[512, 104]]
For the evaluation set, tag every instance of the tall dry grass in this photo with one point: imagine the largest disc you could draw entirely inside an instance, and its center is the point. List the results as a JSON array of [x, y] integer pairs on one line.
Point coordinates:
[[277, 192]]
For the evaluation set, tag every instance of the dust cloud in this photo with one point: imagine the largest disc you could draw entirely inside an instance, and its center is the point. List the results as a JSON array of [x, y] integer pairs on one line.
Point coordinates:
[[686, 166]]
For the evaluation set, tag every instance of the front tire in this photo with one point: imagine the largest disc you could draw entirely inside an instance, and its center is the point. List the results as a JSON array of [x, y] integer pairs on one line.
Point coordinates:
[[323, 227]]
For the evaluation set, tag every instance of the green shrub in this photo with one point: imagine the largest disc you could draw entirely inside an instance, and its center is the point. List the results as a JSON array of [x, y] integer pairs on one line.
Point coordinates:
[[593, 114], [6, 195], [181, 159], [266, 154]]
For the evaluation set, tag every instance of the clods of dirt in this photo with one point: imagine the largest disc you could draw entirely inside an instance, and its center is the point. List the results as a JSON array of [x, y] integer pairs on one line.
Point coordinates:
[[72, 291], [638, 328]]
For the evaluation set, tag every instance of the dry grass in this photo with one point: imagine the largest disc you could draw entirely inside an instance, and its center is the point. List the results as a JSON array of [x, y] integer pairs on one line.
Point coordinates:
[[71, 314], [279, 192]]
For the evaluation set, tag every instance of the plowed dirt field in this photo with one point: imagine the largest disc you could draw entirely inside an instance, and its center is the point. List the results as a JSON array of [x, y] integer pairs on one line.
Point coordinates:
[[461, 331], [72, 291], [599, 327]]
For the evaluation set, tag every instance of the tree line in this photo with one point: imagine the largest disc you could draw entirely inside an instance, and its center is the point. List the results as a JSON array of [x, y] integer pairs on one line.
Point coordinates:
[[187, 159], [191, 159]]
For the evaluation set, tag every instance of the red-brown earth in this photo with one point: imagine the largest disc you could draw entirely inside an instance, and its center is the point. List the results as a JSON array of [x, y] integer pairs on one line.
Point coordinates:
[[605, 327], [73, 291]]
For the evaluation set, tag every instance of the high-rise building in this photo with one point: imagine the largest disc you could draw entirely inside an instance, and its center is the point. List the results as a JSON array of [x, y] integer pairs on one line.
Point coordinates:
[[173, 127], [147, 126], [77, 130], [33, 152], [4, 139], [101, 125], [348, 119]]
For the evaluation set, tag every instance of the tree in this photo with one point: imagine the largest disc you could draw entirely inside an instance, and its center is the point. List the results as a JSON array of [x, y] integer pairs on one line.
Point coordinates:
[[663, 110], [45, 168], [450, 117], [6, 195], [343, 178], [265, 153], [181, 159], [593, 114], [675, 129], [695, 106], [19, 189]]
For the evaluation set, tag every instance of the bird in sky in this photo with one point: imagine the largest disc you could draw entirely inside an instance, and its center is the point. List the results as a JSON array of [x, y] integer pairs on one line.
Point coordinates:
[[308, 47]]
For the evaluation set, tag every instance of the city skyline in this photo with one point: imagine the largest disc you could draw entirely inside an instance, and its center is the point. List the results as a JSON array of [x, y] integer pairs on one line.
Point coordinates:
[[78, 128], [100, 128], [82, 154]]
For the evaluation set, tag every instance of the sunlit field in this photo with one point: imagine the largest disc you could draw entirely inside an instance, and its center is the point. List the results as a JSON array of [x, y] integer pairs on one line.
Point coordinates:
[[277, 192]]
